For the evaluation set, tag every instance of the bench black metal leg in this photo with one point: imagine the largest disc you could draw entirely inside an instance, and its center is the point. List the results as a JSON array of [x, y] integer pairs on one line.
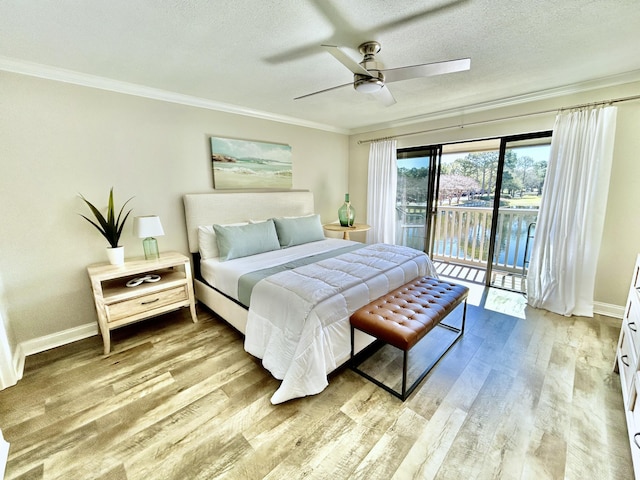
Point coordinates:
[[356, 360], [405, 361], [353, 346]]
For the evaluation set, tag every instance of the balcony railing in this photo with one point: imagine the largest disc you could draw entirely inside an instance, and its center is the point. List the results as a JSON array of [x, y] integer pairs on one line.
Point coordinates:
[[462, 235]]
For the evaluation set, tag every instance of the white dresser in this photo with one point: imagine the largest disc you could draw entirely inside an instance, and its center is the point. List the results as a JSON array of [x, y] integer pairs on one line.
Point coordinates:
[[627, 365]]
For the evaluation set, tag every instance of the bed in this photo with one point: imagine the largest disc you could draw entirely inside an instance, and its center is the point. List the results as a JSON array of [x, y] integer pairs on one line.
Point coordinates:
[[290, 296]]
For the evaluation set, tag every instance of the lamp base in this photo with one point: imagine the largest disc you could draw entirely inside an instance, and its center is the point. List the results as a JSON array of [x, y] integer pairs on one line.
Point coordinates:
[[150, 246]]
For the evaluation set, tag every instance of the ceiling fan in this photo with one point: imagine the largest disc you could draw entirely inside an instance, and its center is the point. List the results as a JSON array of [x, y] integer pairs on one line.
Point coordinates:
[[368, 77]]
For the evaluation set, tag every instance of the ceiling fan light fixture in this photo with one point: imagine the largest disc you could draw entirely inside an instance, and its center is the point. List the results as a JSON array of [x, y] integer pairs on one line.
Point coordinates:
[[365, 84]]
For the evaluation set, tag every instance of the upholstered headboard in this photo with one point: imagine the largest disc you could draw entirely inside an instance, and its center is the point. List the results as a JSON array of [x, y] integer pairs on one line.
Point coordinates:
[[223, 208]]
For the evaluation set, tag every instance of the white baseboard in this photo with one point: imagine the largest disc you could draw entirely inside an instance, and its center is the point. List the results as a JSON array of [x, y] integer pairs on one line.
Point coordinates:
[[40, 344], [608, 309]]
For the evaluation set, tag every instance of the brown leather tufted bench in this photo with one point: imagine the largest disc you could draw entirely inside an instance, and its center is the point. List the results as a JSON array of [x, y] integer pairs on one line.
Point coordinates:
[[404, 316]]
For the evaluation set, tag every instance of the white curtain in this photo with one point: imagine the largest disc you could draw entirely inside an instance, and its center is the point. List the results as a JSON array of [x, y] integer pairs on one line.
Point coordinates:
[[381, 192], [568, 234]]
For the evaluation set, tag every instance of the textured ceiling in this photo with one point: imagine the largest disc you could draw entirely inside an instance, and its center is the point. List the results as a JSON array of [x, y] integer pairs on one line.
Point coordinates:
[[258, 55]]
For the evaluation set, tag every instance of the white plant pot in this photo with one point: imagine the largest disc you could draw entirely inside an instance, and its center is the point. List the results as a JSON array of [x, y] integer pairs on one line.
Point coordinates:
[[116, 255]]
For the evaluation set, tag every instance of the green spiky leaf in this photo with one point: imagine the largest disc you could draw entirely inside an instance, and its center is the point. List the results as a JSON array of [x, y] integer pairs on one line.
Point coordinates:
[[110, 227]]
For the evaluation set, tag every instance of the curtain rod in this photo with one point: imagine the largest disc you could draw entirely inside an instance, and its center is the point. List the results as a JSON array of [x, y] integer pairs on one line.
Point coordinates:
[[480, 122]]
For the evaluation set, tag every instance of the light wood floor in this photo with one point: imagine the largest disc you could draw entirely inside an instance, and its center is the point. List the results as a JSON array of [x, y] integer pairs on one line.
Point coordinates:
[[524, 396]]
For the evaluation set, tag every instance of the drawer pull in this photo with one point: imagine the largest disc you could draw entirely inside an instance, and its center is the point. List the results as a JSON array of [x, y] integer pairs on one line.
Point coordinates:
[[632, 326], [624, 359], [635, 439], [157, 300]]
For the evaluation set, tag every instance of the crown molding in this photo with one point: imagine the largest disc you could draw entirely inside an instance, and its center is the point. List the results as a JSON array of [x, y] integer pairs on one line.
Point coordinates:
[[77, 78]]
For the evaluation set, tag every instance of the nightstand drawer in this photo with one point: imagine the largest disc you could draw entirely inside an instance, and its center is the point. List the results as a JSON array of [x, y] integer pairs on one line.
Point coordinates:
[[146, 303]]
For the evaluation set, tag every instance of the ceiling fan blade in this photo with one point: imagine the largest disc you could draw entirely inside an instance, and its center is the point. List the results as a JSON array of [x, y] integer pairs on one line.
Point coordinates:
[[426, 70], [385, 96], [346, 60], [350, 84]]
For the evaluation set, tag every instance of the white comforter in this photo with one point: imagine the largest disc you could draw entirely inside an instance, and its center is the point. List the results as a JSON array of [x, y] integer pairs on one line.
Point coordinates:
[[298, 323]]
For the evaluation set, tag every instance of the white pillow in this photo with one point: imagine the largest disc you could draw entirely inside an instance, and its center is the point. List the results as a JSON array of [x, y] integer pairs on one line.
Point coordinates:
[[207, 241]]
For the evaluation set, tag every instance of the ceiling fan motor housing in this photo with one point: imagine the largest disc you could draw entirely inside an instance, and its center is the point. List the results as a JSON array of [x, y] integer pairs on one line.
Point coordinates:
[[366, 83]]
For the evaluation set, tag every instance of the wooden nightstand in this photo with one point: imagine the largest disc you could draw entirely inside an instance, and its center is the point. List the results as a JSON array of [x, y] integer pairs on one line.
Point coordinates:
[[336, 227], [119, 305]]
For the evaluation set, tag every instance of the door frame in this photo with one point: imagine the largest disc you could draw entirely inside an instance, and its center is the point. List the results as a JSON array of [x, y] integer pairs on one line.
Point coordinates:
[[433, 188], [434, 153], [498, 189]]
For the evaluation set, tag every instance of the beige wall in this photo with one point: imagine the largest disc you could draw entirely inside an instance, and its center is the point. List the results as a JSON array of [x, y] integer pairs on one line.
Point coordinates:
[[622, 225], [58, 140]]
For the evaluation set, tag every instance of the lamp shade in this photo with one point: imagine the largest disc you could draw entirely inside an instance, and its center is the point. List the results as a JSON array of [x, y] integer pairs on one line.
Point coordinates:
[[147, 226]]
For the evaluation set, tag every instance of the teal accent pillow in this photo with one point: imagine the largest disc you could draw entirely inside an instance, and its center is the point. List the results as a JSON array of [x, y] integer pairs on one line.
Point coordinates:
[[298, 230], [244, 240]]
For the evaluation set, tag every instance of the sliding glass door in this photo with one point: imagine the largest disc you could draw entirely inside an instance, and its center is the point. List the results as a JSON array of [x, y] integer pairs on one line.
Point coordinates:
[[462, 226], [472, 206], [523, 166]]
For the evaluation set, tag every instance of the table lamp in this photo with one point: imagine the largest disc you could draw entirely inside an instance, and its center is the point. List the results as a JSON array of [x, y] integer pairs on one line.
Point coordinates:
[[147, 227]]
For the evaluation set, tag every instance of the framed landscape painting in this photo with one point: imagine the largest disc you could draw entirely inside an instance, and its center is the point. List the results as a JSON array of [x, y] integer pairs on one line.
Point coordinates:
[[240, 164]]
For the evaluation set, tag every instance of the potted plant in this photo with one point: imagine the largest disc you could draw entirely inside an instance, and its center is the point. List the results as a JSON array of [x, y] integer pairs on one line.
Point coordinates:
[[110, 227]]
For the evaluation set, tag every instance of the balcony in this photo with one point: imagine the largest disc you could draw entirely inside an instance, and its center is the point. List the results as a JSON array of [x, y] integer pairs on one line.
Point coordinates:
[[461, 243]]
